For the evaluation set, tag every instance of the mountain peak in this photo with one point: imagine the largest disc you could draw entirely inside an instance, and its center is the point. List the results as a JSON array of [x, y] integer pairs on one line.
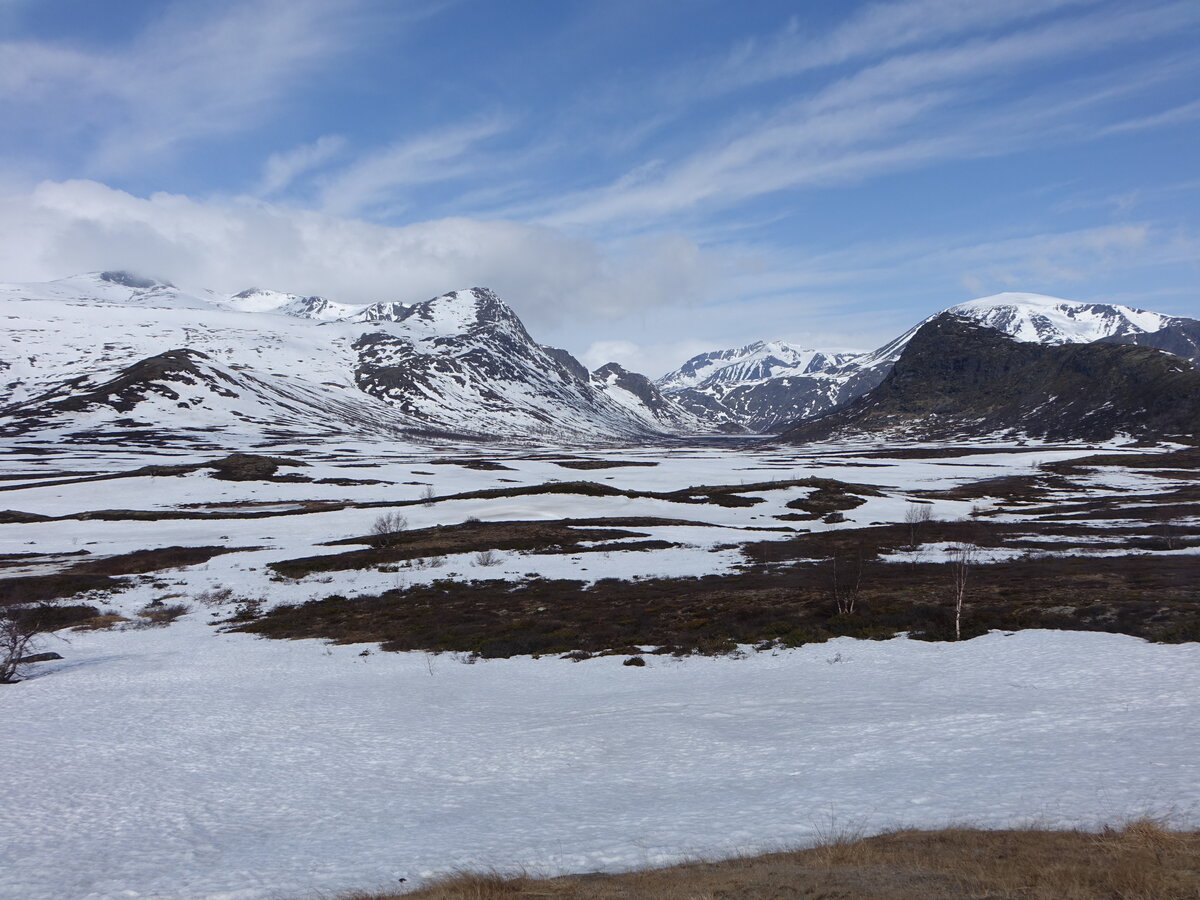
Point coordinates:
[[131, 280], [1054, 320], [460, 312]]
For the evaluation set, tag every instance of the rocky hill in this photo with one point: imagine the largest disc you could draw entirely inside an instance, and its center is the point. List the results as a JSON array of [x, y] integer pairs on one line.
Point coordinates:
[[958, 378]]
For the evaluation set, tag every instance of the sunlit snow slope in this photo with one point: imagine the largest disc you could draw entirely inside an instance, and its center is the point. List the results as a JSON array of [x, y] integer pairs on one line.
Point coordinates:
[[112, 353]]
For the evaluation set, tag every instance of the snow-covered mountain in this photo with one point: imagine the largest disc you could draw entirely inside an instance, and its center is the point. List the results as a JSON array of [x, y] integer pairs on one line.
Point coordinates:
[[769, 385], [259, 300], [754, 362], [110, 353]]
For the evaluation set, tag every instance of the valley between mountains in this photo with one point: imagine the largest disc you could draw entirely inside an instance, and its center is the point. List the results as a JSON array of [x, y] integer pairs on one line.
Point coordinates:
[[324, 596]]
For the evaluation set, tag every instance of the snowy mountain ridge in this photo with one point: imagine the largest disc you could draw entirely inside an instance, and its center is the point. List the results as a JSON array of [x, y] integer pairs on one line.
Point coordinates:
[[753, 362], [266, 362], [458, 364]]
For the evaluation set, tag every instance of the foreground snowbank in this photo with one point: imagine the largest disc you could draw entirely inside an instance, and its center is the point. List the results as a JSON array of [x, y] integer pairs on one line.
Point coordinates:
[[176, 763]]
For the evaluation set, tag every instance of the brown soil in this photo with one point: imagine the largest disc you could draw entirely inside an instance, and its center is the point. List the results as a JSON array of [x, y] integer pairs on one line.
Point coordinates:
[[601, 463]]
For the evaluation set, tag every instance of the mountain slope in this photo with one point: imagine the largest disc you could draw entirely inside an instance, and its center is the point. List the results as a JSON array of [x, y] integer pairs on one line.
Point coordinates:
[[183, 395], [465, 356], [458, 364], [958, 378]]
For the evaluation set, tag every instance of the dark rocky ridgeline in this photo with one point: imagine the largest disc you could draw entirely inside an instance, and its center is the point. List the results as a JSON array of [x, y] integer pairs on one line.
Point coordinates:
[[1180, 336], [957, 378]]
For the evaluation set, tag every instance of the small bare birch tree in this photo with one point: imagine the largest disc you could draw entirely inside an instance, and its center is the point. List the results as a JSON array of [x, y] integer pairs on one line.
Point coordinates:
[[847, 582], [17, 634], [916, 516], [385, 529], [962, 557]]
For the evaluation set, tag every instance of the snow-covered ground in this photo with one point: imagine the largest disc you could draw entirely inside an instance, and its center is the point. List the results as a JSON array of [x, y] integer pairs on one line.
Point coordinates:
[[177, 763], [408, 471], [182, 762]]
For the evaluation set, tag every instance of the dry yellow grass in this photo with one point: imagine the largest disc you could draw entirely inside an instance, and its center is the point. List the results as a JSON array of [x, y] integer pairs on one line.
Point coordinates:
[[100, 623], [1141, 861]]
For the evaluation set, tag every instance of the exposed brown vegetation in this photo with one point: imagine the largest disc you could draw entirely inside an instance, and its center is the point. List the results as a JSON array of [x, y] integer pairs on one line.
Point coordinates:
[[158, 613], [101, 622], [100, 574], [560, 536], [140, 561], [778, 600], [1187, 458], [1140, 861], [234, 467], [601, 463]]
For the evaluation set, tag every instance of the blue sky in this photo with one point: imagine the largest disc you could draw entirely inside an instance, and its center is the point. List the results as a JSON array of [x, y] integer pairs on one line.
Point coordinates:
[[641, 180]]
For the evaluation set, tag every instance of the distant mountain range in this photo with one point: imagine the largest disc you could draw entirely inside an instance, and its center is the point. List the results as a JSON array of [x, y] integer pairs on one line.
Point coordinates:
[[766, 387], [113, 356]]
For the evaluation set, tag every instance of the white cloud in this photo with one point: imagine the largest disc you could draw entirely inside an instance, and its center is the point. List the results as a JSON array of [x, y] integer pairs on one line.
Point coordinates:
[[372, 181], [1173, 116], [904, 111], [281, 169], [60, 228], [875, 29]]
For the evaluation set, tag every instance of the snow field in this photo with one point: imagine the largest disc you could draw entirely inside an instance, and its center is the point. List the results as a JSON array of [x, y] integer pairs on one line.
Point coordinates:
[[181, 762], [177, 763]]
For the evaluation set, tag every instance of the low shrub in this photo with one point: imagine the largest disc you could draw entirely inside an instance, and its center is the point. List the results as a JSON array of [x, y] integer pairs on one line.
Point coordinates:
[[158, 614]]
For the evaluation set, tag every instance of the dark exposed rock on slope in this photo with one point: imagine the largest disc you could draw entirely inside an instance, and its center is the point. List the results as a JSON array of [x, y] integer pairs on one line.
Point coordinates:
[[959, 378], [163, 375], [1179, 336]]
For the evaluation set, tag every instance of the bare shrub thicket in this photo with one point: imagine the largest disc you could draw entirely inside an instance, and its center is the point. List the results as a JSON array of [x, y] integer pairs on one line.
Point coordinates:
[[488, 558], [385, 530], [427, 562], [916, 516], [428, 495], [157, 614], [846, 575], [217, 595], [18, 635]]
